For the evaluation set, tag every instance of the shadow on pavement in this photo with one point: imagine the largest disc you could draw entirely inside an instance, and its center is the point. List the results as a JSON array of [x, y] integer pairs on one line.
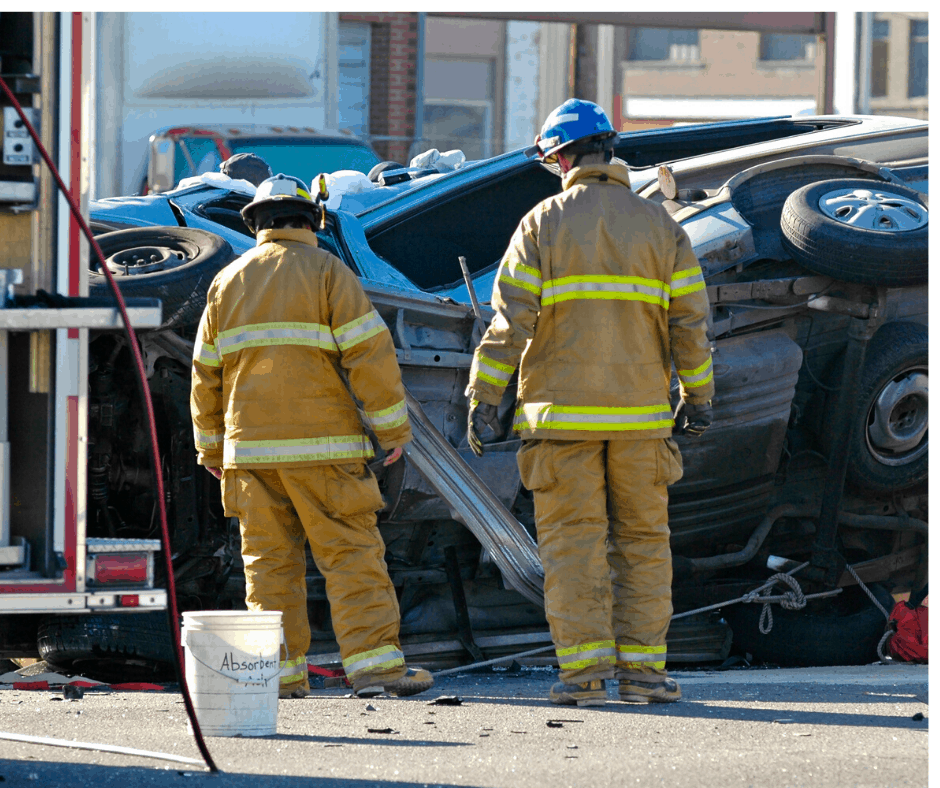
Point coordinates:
[[50, 774]]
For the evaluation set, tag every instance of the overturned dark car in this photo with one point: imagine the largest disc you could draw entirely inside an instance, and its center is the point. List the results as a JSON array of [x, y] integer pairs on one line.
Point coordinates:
[[812, 235]]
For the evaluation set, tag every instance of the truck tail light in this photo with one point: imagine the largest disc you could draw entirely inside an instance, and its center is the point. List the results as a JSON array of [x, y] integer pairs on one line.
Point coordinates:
[[121, 568]]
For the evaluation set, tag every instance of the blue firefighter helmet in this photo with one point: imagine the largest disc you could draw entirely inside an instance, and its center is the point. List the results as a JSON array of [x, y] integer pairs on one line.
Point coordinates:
[[575, 121]]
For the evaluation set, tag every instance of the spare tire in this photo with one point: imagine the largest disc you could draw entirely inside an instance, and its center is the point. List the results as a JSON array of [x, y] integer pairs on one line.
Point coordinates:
[[888, 452], [858, 230], [128, 646], [174, 264]]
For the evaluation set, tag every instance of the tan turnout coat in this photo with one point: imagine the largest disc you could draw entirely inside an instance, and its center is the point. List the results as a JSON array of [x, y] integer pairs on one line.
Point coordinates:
[[597, 295], [287, 337]]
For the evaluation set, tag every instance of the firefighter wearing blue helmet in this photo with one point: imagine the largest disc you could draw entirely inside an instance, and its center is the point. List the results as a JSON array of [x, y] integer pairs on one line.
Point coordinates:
[[597, 296]]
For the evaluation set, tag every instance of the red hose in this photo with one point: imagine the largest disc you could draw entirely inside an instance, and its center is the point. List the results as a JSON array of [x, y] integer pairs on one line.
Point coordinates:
[[151, 422]]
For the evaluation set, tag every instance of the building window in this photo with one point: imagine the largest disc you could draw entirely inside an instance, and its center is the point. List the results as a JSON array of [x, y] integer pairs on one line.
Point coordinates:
[[917, 68], [655, 43], [777, 47], [353, 99], [458, 106], [880, 31]]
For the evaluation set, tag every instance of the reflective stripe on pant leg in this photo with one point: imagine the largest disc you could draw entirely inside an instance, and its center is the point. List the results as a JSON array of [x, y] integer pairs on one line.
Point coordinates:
[[337, 504], [587, 655], [293, 671], [275, 566], [639, 553], [378, 660], [567, 479], [637, 657]]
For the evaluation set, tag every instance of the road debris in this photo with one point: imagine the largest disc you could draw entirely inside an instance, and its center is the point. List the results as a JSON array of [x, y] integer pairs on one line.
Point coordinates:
[[381, 730], [72, 692], [918, 717], [784, 720], [553, 724], [447, 700]]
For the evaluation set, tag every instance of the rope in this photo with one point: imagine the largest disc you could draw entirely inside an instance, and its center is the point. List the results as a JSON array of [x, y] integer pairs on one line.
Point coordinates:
[[794, 599], [889, 630], [865, 588]]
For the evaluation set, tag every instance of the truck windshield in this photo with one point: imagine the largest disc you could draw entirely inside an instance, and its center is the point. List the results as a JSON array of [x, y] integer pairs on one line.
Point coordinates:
[[306, 158]]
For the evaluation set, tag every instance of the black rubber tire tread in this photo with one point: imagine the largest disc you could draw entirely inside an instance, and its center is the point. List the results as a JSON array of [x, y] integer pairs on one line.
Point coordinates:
[[65, 641], [840, 630], [182, 289], [896, 347], [852, 254]]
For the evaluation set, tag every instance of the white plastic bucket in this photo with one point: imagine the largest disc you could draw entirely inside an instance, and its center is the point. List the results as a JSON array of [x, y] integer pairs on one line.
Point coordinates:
[[232, 665]]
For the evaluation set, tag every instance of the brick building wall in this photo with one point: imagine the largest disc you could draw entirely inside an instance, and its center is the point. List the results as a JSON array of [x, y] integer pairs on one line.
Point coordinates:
[[392, 80]]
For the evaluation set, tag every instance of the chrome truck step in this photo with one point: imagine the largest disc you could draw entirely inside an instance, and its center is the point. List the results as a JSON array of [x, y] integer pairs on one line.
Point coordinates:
[[471, 502]]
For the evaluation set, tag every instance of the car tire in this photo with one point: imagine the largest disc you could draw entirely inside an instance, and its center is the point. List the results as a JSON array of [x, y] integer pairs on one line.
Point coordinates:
[[128, 646], [888, 449], [188, 261], [890, 251], [840, 630]]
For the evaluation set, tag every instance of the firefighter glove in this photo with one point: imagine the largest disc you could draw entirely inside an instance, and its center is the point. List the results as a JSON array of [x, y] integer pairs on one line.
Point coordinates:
[[479, 416], [692, 419]]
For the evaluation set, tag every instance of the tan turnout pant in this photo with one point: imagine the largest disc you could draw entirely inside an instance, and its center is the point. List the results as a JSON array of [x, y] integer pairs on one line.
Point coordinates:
[[603, 534], [332, 506]]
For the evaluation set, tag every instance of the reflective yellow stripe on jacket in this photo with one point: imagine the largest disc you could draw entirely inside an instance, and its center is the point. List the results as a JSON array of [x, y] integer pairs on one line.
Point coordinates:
[[693, 378], [616, 288], [586, 655], [379, 659], [493, 371], [545, 416], [630, 656], [359, 330], [520, 275], [688, 280], [334, 447], [206, 353], [208, 440], [266, 334], [389, 417]]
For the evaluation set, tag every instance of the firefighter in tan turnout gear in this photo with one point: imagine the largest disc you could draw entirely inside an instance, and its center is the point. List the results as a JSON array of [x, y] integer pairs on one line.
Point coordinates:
[[287, 333], [596, 297]]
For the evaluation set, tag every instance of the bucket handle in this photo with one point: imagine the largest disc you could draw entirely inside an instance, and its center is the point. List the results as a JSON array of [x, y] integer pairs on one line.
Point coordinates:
[[263, 682]]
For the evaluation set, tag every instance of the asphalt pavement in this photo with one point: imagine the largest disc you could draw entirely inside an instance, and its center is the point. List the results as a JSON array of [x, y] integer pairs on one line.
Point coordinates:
[[858, 727]]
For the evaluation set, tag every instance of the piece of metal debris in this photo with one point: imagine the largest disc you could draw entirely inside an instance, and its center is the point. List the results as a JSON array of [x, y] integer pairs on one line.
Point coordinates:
[[572, 746], [380, 730], [447, 700], [72, 692], [370, 707], [556, 720], [784, 720], [553, 724]]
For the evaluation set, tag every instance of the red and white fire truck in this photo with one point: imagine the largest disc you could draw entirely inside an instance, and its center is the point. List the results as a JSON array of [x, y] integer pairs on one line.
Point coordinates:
[[49, 568]]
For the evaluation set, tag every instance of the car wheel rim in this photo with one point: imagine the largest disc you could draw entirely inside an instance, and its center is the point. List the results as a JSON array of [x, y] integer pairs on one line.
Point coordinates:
[[873, 209], [897, 420], [145, 260]]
